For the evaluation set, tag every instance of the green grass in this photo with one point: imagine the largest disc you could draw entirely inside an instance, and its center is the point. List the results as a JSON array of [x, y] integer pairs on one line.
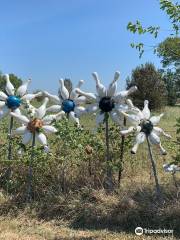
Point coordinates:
[[84, 212]]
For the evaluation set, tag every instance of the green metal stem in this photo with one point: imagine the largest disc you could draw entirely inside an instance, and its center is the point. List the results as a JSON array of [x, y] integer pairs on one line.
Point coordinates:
[[30, 172]]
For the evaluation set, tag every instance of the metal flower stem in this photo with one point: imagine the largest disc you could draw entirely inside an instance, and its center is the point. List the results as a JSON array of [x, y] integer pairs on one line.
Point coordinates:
[[7, 173], [174, 179], [10, 139], [158, 190], [121, 156], [29, 192], [109, 168]]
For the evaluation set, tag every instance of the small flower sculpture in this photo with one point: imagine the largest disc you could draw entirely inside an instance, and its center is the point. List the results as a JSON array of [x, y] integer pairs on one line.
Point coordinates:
[[68, 102], [11, 100], [108, 101], [144, 126], [36, 124], [170, 167]]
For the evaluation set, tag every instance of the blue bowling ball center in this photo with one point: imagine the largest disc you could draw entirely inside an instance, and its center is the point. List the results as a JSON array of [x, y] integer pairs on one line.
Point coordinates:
[[13, 102], [68, 105]]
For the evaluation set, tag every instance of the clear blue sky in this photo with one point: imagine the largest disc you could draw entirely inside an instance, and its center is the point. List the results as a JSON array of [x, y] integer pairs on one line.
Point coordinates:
[[49, 39]]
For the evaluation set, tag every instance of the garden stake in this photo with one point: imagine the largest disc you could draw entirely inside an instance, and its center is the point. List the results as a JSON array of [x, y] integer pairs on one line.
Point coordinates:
[[109, 167], [158, 190], [7, 174], [175, 183], [29, 192], [10, 139], [121, 156]]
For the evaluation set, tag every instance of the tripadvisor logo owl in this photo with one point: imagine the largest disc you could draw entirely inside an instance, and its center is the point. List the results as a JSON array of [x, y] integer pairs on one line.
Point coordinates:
[[139, 231]]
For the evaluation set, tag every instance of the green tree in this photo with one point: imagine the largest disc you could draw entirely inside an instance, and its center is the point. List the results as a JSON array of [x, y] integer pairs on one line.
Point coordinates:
[[150, 86], [172, 9], [170, 80], [169, 51]]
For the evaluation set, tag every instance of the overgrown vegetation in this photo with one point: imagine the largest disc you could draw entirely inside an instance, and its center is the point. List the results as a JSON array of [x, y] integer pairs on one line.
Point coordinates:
[[68, 182]]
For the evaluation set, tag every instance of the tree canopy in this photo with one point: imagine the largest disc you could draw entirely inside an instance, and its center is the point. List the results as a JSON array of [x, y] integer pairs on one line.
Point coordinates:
[[150, 86], [172, 9]]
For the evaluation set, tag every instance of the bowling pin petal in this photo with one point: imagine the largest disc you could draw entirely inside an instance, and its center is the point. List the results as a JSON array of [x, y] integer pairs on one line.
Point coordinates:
[[153, 138], [20, 130], [99, 118], [41, 111], [116, 118], [159, 131], [140, 138], [17, 111], [91, 108], [54, 108], [79, 110], [3, 96], [21, 91], [49, 118], [132, 118], [49, 129], [9, 86], [2, 104], [74, 94], [156, 119], [100, 88], [41, 138], [86, 94], [123, 94], [113, 85], [127, 131], [27, 137], [23, 119], [162, 150], [146, 112], [63, 90], [52, 97], [30, 96], [80, 100], [74, 118], [4, 112]]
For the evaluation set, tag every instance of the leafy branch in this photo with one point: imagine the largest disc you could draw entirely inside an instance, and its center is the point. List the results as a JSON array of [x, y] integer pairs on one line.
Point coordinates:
[[173, 12]]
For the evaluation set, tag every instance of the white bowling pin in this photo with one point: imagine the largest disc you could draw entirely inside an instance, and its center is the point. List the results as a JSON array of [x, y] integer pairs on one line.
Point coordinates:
[[41, 111], [100, 88], [63, 90], [146, 111], [113, 85], [9, 86], [21, 91]]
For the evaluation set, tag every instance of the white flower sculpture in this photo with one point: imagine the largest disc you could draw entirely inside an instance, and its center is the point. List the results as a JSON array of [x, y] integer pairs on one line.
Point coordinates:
[[144, 126], [107, 100], [36, 124], [68, 102], [11, 100], [170, 167]]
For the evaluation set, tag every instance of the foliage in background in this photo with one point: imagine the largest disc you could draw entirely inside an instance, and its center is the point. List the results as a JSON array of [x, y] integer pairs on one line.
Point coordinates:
[[150, 86], [171, 82], [172, 9], [16, 81], [76, 160], [169, 51]]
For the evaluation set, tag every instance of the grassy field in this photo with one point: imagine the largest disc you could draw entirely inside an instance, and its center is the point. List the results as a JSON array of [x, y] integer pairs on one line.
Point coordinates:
[[90, 214]]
